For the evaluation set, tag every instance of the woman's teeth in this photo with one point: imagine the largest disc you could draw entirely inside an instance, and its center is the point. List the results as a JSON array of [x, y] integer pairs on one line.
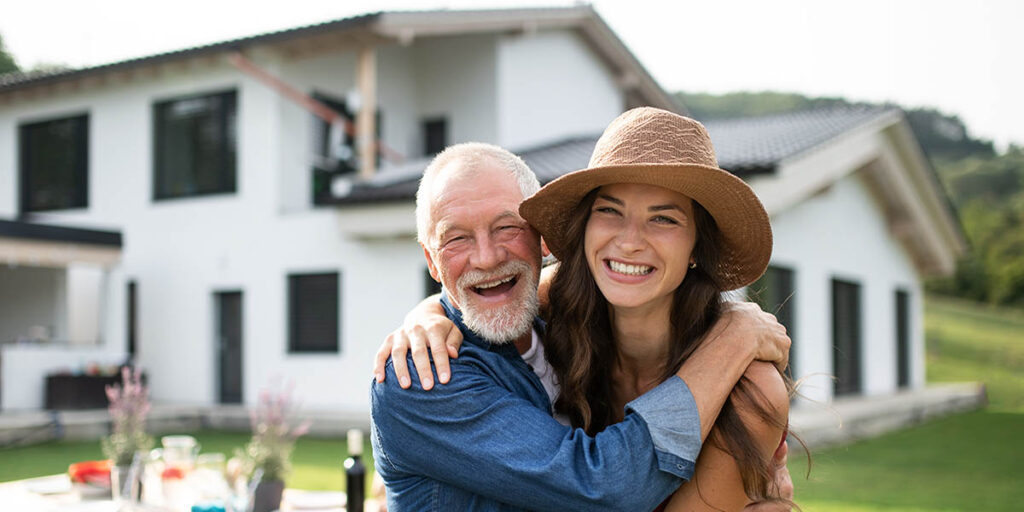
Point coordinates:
[[631, 270]]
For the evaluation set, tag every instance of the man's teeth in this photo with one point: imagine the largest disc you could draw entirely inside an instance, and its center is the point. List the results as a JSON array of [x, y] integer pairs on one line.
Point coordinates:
[[492, 284], [632, 270]]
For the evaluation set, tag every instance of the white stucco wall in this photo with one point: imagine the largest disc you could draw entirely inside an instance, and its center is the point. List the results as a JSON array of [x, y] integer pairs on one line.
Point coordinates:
[[551, 86], [456, 78], [32, 296], [842, 233]]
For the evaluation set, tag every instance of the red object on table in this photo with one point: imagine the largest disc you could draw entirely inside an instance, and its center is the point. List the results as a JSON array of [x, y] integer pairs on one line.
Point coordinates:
[[96, 472]]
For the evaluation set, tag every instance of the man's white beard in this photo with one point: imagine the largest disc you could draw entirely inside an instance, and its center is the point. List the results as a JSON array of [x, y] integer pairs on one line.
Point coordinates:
[[512, 319]]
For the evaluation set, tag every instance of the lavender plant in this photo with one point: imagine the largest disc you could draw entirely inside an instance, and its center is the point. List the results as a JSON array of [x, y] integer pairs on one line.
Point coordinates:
[[273, 437], [129, 405]]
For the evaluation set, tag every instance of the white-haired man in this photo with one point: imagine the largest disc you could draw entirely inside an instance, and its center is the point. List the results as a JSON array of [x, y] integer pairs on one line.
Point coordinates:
[[486, 440]]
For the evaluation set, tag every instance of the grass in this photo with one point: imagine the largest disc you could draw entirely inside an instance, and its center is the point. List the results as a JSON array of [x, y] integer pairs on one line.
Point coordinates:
[[968, 462], [316, 463], [960, 463]]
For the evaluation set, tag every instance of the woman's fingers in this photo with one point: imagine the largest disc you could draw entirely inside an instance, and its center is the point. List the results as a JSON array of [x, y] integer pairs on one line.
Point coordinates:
[[421, 356], [381, 359]]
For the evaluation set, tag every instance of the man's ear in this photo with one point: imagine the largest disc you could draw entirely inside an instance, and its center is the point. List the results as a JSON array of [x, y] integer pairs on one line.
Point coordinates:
[[430, 264], [544, 248]]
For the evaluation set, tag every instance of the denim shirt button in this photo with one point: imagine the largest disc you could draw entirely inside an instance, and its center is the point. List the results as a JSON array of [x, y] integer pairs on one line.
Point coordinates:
[[679, 466]]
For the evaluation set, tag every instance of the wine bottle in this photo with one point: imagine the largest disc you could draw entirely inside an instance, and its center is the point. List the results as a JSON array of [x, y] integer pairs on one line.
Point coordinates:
[[355, 472]]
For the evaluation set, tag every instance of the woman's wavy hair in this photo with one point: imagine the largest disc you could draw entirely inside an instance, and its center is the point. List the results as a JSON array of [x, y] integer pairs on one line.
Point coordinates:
[[580, 347]]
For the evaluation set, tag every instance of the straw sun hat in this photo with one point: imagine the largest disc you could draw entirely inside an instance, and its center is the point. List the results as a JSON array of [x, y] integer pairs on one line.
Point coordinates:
[[656, 147]]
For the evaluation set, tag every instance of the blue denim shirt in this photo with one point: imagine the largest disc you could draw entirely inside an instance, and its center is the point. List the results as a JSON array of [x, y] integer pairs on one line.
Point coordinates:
[[486, 441]]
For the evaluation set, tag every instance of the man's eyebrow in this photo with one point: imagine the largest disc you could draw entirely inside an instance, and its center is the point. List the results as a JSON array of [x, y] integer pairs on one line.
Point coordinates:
[[507, 214]]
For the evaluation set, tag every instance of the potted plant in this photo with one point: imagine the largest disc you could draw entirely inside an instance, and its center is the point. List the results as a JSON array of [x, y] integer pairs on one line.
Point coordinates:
[[129, 405], [267, 456]]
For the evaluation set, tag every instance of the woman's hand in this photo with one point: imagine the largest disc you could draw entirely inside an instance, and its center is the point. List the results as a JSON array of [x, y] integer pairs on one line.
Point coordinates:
[[426, 331], [747, 319]]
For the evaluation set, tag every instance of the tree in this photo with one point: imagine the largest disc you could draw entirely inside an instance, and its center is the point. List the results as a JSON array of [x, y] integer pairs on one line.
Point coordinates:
[[7, 62]]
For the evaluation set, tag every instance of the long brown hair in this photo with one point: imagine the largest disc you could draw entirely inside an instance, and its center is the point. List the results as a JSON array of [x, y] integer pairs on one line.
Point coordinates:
[[581, 349]]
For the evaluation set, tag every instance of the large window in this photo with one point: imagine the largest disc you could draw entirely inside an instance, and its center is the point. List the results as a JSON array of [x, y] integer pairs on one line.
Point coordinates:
[[435, 135], [54, 164], [775, 293], [195, 146], [313, 305], [846, 336]]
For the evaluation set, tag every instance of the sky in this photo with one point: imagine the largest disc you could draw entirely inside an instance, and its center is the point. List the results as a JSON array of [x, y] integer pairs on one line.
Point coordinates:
[[963, 57]]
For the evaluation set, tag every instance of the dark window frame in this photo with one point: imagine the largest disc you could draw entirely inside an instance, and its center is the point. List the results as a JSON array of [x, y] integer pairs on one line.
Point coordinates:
[[80, 167], [903, 359], [854, 383], [331, 344], [132, 314], [227, 126], [780, 302], [430, 125]]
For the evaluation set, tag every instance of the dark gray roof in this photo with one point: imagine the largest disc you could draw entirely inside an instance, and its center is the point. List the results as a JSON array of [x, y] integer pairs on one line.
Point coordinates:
[[745, 146], [17, 79], [51, 233]]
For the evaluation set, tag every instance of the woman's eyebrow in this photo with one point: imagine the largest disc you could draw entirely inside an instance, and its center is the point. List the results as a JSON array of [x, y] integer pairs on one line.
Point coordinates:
[[611, 199], [662, 207]]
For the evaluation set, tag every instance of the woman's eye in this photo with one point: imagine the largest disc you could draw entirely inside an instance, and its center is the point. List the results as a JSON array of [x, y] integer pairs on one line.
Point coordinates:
[[606, 209], [661, 219]]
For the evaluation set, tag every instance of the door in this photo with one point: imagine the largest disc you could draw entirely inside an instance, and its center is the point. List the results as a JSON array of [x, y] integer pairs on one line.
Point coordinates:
[[229, 346]]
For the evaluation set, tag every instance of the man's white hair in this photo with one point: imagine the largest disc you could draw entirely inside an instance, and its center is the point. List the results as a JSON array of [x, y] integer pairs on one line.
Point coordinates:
[[471, 155]]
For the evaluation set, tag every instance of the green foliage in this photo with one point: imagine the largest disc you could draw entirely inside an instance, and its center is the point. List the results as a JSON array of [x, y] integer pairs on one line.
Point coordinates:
[[989, 194], [7, 62]]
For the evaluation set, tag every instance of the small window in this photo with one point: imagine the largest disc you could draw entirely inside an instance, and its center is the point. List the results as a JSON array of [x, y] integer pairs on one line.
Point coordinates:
[[435, 136], [55, 164], [774, 292], [195, 146], [313, 305]]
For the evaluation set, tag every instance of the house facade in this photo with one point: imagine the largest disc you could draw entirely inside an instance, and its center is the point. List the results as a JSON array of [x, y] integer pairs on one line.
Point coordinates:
[[260, 240]]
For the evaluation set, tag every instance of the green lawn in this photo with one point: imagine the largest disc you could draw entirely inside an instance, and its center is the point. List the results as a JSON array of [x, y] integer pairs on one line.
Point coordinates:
[[966, 462], [961, 463]]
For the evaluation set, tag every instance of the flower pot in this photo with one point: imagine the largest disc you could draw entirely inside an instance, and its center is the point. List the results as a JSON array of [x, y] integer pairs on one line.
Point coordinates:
[[267, 497]]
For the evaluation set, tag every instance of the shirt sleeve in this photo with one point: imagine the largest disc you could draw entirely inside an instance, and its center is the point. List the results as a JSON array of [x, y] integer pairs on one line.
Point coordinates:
[[473, 433], [671, 415]]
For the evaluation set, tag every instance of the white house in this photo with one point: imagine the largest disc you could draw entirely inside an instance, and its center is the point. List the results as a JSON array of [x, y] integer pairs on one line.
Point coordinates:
[[256, 241]]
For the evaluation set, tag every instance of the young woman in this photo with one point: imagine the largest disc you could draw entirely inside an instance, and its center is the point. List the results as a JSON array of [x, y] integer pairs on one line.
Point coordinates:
[[648, 237]]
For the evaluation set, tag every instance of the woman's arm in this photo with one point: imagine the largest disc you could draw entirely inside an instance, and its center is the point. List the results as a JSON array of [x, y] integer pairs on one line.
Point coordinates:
[[717, 484], [426, 326]]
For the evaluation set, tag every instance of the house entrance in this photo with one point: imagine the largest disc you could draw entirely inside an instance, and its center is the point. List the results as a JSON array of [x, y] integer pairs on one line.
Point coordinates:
[[229, 346]]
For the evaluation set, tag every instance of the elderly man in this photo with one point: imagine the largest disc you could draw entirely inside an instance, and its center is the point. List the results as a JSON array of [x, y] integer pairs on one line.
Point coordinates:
[[487, 440]]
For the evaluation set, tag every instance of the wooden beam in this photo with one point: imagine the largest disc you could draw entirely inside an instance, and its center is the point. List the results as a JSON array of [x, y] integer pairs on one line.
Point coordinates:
[[366, 122]]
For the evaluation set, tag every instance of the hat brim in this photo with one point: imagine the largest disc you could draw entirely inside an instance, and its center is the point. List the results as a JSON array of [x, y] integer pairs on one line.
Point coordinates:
[[738, 213]]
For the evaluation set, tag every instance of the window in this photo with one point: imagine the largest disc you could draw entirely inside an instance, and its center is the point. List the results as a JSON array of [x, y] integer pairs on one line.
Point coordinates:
[[902, 338], [332, 157], [313, 305], [774, 292], [846, 333], [430, 287], [435, 136], [195, 146], [132, 317], [54, 164]]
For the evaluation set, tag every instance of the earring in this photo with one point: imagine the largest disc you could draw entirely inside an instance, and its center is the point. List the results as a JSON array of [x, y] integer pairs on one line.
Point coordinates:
[[693, 264]]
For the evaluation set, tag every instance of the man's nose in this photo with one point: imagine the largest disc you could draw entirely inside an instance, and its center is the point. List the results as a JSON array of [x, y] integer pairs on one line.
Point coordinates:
[[488, 254]]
